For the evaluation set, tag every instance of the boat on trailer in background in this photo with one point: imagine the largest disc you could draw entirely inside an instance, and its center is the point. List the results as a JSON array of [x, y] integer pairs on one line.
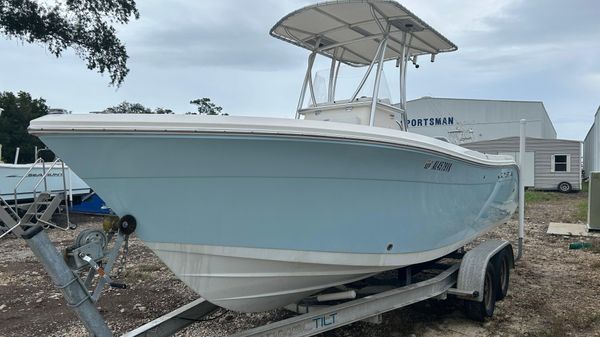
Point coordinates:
[[257, 213], [18, 181]]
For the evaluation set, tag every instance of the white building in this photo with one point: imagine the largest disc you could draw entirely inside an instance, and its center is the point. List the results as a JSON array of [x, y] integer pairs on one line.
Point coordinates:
[[591, 147], [469, 120]]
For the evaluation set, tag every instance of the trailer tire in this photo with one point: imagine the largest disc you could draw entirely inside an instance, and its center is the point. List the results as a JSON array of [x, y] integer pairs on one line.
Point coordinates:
[[565, 187], [480, 310], [502, 267]]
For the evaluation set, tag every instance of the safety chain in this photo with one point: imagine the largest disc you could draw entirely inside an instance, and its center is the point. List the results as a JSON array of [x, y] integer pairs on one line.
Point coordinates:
[[123, 258]]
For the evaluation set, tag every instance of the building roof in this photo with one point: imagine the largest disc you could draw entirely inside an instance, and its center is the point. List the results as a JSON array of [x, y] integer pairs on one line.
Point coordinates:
[[549, 140], [475, 99]]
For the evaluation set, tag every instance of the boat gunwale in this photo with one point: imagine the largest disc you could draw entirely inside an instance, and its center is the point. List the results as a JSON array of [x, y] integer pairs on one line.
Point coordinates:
[[464, 157], [26, 166]]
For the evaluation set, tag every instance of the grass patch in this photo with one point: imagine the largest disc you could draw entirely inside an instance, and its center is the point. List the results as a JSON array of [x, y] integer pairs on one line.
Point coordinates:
[[581, 212], [540, 196], [585, 186]]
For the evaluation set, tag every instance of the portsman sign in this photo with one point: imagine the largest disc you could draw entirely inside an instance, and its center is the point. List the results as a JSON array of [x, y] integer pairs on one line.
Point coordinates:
[[434, 121]]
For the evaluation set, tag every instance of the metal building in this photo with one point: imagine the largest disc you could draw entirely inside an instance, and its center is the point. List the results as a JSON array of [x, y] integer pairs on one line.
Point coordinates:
[[591, 147], [469, 120], [550, 164]]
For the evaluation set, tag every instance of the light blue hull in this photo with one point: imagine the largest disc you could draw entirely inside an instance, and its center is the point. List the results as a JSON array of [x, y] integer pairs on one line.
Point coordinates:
[[291, 193]]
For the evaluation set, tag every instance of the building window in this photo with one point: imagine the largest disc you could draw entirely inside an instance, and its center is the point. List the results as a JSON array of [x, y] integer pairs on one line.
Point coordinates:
[[561, 163]]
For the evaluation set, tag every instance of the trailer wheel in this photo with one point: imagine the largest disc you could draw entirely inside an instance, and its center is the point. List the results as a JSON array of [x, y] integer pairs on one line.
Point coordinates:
[[502, 274], [480, 310], [565, 187]]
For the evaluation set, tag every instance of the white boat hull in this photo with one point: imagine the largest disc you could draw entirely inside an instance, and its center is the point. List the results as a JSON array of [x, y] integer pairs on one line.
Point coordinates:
[[251, 279], [251, 284], [11, 174]]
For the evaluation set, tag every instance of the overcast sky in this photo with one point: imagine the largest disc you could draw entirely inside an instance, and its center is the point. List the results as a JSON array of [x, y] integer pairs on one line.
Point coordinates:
[[179, 50]]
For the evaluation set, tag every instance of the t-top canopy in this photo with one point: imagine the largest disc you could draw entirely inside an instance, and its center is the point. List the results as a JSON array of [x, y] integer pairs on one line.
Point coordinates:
[[357, 27]]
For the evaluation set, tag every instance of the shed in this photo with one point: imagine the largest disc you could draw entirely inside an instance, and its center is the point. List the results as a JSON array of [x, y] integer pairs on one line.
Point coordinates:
[[550, 164], [591, 148]]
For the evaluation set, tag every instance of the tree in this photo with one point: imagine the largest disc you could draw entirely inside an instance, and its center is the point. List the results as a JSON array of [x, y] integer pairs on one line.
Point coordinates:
[[135, 108], [128, 108], [206, 107], [86, 26], [17, 111], [163, 111]]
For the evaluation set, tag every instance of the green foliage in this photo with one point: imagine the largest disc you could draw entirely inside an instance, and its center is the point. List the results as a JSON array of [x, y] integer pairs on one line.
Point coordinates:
[[135, 108], [539, 196], [17, 111], [585, 186], [163, 111], [206, 107], [582, 211], [86, 26], [128, 108]]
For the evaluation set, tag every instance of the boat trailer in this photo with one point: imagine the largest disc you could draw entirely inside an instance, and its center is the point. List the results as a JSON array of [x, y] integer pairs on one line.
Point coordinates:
[[479, 276]]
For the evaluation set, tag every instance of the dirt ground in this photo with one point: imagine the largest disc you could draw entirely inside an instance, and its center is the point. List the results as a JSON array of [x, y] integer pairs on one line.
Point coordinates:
[[554, 291]]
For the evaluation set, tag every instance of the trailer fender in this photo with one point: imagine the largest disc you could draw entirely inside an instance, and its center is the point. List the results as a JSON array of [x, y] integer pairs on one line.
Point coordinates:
[[471, 275]]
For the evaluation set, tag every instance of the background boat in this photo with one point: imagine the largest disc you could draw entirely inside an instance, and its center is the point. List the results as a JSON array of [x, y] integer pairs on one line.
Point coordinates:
[[11, 174]]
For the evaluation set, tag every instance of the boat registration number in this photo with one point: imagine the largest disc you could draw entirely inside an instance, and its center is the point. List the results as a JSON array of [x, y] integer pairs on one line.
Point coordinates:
[[438, 165]]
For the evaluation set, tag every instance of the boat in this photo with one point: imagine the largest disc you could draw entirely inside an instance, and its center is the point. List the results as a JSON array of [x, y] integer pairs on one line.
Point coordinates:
[[256, 213], [18, 181]]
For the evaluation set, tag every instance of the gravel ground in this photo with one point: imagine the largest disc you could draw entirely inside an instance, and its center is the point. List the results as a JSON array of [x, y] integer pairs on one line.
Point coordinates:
[[554, 292]]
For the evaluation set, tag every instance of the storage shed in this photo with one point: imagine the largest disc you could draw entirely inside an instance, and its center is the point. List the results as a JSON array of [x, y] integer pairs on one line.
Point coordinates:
[[591, 148], [550, 164]]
